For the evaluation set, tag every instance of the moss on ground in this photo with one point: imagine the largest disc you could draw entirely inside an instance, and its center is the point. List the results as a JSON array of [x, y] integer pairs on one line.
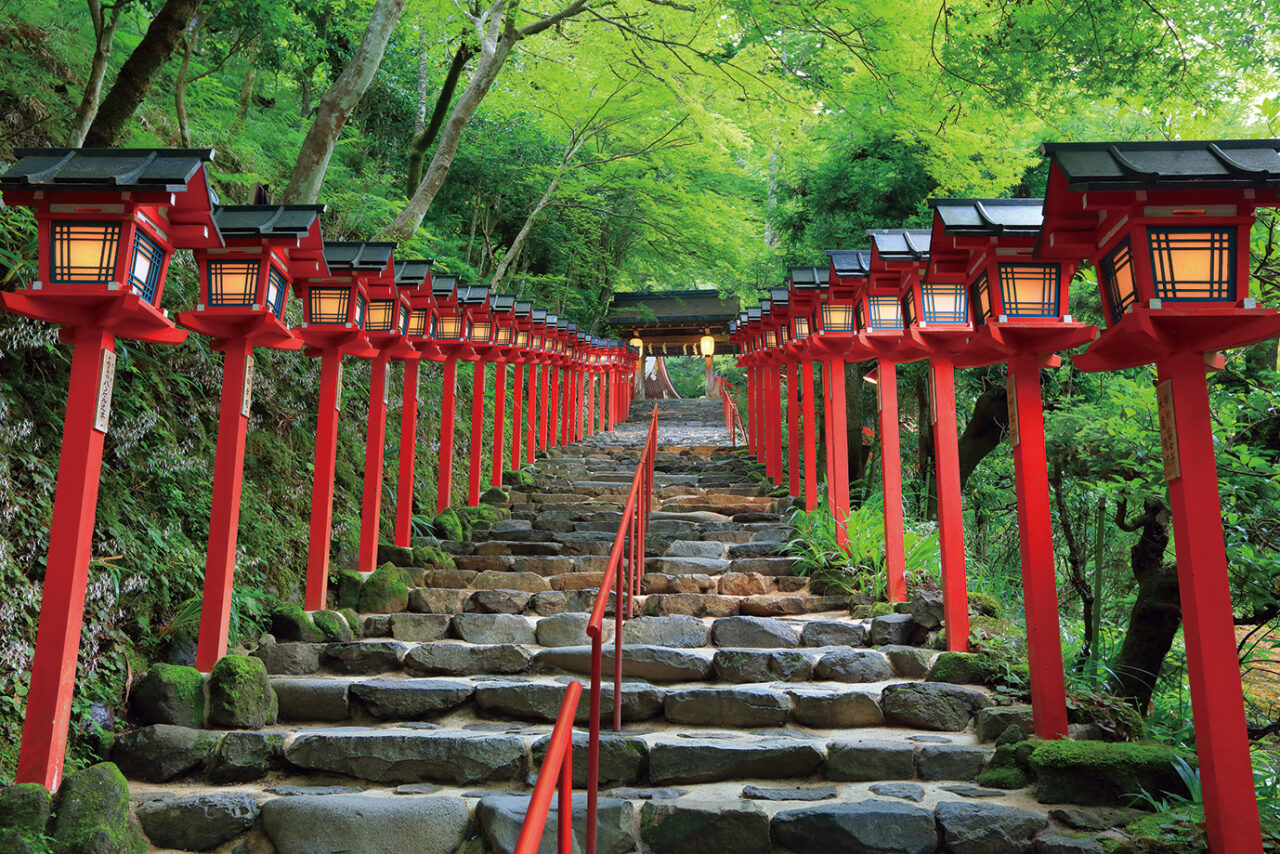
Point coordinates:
[[91, 814], [1103, 773], [432, 558], [385, 591], [334, 625], [290, 623], [448, 525]]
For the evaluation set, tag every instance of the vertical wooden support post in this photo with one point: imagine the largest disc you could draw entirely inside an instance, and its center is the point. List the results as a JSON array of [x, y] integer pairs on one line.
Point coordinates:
[[553, 396], [840, 456], [591, 403], [1039, 584], [895, 560], [499, 425], [375, 442], [753, 419], [408, 454], [827, 444], [75, 505], [477, 433], [444, 488], [224, 514], [544, 396], [322, 481], [774, 422], [810, 438], [1222, 742], [767, 378], [604, 399], [709, 377], [531, 420], [946, 455], [517, 416], [793, 431]]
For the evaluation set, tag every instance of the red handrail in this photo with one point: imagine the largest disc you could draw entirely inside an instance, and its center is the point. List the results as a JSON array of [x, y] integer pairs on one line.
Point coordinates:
[[626, 562], [731, 415]]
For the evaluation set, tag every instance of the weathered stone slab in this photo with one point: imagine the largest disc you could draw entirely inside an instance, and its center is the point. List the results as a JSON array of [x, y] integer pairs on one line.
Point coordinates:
[[409, 756]]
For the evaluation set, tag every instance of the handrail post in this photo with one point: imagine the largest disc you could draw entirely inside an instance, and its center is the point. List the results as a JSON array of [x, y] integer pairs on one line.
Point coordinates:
[[564, 827], [593, 742], [617, 650]]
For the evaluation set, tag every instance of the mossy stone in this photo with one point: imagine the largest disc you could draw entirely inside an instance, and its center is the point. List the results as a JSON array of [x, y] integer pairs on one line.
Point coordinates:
[[240, 694], [91, 814], [493, 496], [346, 586], [169, 694], [448, 525], [290, 623], [334, 626], [517, 477], [385, 591], [1012, 734], [432, 558], [480, 513], [1003, 778], [881, 609], [860, 612], [986, 605], [960, 668], [1097, 773], [25, 807], [353, 619]]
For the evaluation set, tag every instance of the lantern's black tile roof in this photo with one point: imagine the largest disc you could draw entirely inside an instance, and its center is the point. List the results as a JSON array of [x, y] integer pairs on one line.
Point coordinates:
[[503, 303], [990, 216], [733, 327], [562, 323], [357, 256], [124, 169], [779, 296], [442, 287], [901, 244], [523, 307], [473, 295], [753, 312], [551, 319], [265, 220], [539, 315], [412, 273], [1208, 164], [810, 277], [850, 263]]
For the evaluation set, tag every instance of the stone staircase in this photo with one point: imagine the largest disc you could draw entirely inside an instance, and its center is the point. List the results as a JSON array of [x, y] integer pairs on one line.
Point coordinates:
[[758, 716]]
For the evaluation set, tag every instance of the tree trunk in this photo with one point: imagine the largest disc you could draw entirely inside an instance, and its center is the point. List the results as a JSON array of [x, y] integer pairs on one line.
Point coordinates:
[[517, 245], [139, 72], [1157, 611], [420, 117], [924, 445], [180, 91], [246, 87], [430, 130], [986, 428], [1076, 561], [104, 31], [499, 37], [337, 104], [306, 81]]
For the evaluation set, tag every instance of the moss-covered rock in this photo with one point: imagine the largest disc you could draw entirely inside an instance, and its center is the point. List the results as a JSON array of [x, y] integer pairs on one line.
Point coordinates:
[[431, 557], [353, 620], [345, 585], [860, 612], [970, 668], [494, 496], [91, 814], [986, 605], [385, 591], [480, 513], [334, 625], [881, 609], [290, 623], [240, 694], [1003, 778], [517, 477], [1098, 773], [448, 525], [25, 808], [169, 694]]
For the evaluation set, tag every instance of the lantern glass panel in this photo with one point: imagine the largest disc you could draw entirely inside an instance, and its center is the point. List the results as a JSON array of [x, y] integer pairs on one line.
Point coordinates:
[[944, 303], [277, 287], [361, 306], [522, 338], [481, 330], [886, 312], [145, 266], [403, 325], [1117, 277], [84, 252], [800, 326], [771, 339], [232, 282], [448, 328], [782, 334], [1029, 290], [1195, 264], [837, 318], [908, 310], [503, 335], [418, 322], [328, 305], [381, 313], [980, 293]]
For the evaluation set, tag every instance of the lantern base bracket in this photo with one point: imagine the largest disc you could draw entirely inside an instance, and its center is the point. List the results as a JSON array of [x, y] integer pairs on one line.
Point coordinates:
[[1144, 335]]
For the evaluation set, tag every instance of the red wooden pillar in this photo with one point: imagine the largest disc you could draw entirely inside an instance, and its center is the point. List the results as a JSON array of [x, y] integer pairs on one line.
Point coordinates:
[[793, 431], [840, 453], [766, 420], [477, 433], [810, 439], [554, 396], [1222, 743], [946, 455], [517, 416], [75, 505], [408, 452], [499, 426], [591, 403], [774, 422], [444, 489], [826, 437], [545, 434], [531, 439], [322, 480], [753, 419], [604, 397], [895, 560], [224, 514], [1039, 584], [375, 442]]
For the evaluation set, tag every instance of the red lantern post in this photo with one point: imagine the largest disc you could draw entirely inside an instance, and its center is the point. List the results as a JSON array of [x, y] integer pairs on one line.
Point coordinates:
[[1167, 225], [542, 346], [504, 337], [803, 299], [415, 277], [1019, 310], [480, 334], [450, 337], [108, 222], [334, 311], [522, 314], [243, 289]]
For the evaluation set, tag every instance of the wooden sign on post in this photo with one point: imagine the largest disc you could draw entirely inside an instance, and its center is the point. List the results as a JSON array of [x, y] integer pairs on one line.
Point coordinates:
[[246, 400], [106, 384], [1011, 391], [337, 397], [1168, 431]]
